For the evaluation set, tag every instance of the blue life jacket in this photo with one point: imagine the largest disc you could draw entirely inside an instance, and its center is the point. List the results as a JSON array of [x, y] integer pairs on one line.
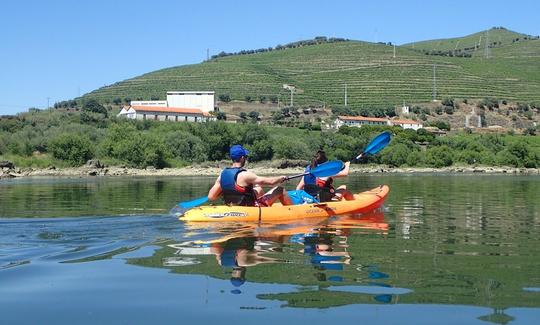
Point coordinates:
[[233, 193]]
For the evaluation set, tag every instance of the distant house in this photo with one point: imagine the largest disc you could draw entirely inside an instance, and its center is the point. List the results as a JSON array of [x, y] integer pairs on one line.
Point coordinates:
[[159, 113], [180, 106], [359, 121], [407, 124]]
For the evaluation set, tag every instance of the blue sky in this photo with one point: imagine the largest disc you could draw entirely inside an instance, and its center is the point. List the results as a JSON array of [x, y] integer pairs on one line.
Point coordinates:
[[60, 49]]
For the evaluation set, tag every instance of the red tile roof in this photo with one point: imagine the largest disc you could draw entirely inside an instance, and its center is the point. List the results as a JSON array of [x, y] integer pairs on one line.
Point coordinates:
[[405, 122], [362, 118]]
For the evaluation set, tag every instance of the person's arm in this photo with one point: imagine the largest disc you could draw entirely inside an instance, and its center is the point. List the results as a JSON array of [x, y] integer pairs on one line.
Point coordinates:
[[249, 178], [345, 171], [215, 191], [301, 184]]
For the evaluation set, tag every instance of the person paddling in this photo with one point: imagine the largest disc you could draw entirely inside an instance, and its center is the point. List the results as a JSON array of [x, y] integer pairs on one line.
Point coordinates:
[[323, 187], [239, 186]]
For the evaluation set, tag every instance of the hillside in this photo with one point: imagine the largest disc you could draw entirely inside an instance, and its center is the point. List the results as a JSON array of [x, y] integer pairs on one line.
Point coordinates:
[[497, 36], [374, 78]]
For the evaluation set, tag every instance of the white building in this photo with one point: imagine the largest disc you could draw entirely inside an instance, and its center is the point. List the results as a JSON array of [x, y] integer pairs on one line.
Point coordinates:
[[180, 106], [203, 100], [158, 113], [359, 121]]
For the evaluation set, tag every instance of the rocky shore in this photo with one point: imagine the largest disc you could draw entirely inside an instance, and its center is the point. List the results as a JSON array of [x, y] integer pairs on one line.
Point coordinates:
[[95, 168]]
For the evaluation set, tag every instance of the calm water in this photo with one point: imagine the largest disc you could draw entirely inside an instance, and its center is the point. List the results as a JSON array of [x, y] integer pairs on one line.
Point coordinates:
[[445, 249]]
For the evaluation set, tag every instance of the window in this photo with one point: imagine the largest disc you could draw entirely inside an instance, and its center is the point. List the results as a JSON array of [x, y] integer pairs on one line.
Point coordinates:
[[176, 118], [144, 116], [185, 118], [155, 117]]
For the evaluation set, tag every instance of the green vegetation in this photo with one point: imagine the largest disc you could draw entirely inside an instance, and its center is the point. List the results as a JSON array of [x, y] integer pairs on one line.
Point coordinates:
[[374, 78], [41, 139]]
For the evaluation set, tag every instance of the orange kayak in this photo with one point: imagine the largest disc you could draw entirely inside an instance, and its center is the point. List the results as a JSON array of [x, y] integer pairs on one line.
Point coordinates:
[[363, 202]]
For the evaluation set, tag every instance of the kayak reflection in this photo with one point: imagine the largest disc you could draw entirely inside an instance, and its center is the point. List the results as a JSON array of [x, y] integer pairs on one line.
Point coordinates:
[[320, 242]]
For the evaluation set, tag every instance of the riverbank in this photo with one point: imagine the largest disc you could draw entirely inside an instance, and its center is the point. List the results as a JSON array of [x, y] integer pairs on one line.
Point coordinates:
[[261, 169]]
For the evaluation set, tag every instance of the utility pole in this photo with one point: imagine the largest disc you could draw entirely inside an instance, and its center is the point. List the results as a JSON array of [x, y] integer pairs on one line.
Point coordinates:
[[486, 45], [48, 105], [434, 82], [345, 95], [207, 54], [394, 51]]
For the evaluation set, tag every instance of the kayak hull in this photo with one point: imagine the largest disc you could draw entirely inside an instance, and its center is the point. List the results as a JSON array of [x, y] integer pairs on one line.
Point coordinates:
[[363, 202]]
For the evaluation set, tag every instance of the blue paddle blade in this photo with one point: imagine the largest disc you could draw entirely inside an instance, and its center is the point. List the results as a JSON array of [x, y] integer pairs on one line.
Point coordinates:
[[193, 203], [378, 143], [329, 168]]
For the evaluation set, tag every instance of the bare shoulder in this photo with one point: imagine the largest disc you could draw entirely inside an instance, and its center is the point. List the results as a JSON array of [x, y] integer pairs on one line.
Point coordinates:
[[246, 177]]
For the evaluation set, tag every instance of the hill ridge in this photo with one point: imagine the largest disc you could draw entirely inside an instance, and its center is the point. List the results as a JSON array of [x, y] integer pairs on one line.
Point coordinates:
[[373, 75]]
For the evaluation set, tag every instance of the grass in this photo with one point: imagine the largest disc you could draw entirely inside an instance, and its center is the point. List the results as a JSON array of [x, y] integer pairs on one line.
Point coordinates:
[[40, 161], [374, 78]]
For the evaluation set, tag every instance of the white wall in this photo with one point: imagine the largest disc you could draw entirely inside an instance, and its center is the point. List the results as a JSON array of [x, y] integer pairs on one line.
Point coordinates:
[[203, 100], [170, 117]]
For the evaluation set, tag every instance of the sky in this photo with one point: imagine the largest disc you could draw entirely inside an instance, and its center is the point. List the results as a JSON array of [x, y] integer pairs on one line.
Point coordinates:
[[57, 50]]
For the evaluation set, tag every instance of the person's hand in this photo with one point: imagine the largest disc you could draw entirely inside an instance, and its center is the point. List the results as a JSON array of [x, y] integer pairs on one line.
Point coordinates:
[[282, 179]]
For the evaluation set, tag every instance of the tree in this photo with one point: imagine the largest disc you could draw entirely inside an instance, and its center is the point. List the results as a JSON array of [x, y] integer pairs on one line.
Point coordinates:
[[221, 116], [440, 156], [117, 101], [273, 99], [248, 99], [72, 148], [448, 102], [225, 98], [262, 99], [94, 106], [254, 115]]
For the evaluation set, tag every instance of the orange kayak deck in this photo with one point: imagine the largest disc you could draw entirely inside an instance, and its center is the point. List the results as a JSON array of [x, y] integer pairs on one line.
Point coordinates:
[[363, 202]]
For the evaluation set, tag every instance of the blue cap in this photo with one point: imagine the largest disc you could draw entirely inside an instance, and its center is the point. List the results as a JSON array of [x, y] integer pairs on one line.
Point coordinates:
[[237, 151], [237, 281]]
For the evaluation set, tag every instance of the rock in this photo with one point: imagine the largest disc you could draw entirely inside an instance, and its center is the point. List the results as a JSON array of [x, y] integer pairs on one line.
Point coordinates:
[[6, 164], [151, 168], [51, 168], [92, 173], [94, 163], [288, 163]]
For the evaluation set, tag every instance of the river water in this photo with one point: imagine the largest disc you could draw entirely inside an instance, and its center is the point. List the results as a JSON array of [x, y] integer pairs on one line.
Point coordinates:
[[445, 249]]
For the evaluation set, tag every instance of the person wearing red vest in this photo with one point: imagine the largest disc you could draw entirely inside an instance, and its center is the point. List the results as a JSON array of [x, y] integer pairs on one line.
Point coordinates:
[[239, 186], [323, 187]]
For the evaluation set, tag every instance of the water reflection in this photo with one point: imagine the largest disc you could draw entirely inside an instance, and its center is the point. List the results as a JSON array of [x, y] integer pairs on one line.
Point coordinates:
[[312, 253]]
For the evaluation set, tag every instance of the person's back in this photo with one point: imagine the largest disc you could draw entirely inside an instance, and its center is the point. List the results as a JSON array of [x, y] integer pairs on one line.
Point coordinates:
[[242, 187], [323, 187]]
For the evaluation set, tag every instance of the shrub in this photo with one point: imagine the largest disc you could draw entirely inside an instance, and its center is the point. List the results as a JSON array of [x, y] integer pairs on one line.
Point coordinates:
[[395, 155], [291, 149], [440, 156], [185, 146], [448, 102], [260, 150], [74, 149], [225, 98]]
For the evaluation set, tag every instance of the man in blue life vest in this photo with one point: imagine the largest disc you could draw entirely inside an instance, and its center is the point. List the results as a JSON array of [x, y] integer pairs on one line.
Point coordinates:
[[242, 187], [322, 188]]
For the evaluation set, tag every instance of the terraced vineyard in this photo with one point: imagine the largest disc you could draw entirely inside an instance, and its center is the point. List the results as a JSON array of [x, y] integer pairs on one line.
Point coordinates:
[[374, 78], [495, 37]]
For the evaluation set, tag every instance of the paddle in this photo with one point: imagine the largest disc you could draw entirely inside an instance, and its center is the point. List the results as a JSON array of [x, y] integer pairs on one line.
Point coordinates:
[[377, 144], [323, 170], [326, 169]]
